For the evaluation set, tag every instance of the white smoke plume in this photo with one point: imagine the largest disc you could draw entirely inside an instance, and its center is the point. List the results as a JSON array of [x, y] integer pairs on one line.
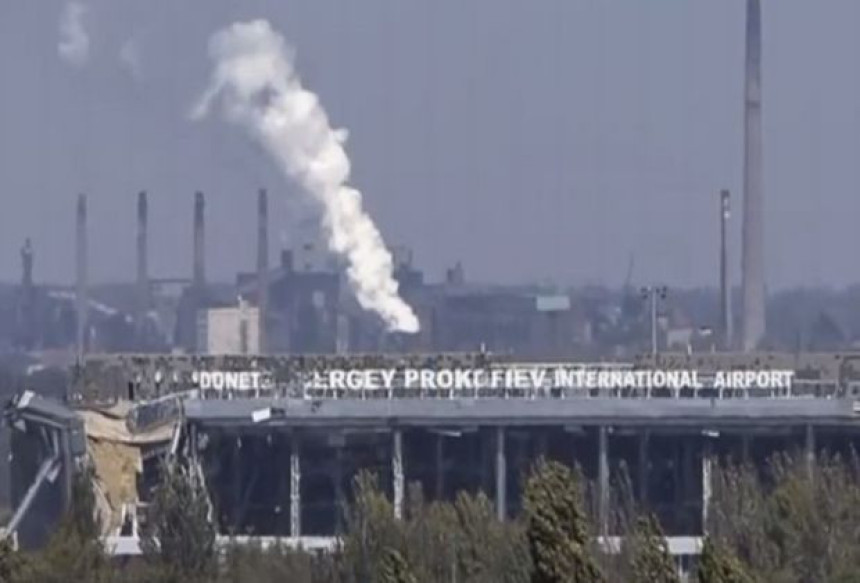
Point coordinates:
[[74, 44], [259, 89]]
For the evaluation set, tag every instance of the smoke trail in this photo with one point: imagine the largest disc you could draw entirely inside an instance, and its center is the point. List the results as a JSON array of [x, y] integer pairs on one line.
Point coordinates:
[[74, 45], [259, 88]]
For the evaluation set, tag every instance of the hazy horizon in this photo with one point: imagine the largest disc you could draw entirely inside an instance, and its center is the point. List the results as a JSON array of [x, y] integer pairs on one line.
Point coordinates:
[[531, 142]]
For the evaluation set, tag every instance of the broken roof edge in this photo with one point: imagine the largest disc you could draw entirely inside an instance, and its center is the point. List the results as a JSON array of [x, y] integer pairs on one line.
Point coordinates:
[[29, 404]]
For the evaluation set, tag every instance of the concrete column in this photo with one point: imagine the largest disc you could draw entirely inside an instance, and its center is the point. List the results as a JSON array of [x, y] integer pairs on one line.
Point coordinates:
[[603, 478], [237, 482], [689, 472], [644, 438], [440, 466], [542, 443], [295, 488], [337, 478], [397, 472], [809, 449], [707, 484], [678, 473], [501, 475]]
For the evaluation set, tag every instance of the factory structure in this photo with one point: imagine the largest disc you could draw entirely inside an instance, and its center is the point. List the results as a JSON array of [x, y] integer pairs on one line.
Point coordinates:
[[301, 303], [224, 378]]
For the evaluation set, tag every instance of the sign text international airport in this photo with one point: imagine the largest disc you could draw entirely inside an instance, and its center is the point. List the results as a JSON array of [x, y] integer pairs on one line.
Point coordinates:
[[511, 378]]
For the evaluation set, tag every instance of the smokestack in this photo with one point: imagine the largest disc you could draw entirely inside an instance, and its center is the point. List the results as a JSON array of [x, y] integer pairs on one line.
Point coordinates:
[[142, 260], [27, 266], [199, 242], [725, 284], [262, 265], [752, 263], [81, 299]]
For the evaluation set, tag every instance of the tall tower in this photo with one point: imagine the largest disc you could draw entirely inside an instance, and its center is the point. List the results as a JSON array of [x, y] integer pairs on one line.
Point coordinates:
[[142, 262], [81, 292], [199, 259], [725, 282], [27, 265], [752, 262], [262, 266], [197, 296], [26, 332]]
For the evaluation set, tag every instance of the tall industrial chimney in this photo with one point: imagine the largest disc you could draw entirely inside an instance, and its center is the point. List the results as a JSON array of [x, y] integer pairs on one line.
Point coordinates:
[[27, 266], [81, 293], [752, 263], [199, 242], [262, 265], [725, 283], [142, 261]]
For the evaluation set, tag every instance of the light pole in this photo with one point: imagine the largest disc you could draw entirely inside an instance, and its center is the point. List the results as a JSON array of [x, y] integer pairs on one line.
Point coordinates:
[[652, 293]]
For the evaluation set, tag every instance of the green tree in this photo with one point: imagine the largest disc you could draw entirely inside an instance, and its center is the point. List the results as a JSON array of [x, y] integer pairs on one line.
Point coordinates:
[[812, 519], [462, 541], [433, 537], [651, 561], [792, 520], [718, 565], [75, 551], [556, 527], [179, 537], [13, 567], [372, 531], [395, 569], [489, 551], [738, 516]]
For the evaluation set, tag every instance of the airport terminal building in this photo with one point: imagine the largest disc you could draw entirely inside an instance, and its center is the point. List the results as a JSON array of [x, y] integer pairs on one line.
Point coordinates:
[[279, 440]]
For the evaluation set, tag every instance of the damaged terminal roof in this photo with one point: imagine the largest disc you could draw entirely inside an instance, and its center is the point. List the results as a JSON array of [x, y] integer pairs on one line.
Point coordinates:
[[50, 438]]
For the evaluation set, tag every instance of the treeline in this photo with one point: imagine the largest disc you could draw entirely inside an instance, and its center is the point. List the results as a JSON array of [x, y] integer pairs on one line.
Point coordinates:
[[797, 521]]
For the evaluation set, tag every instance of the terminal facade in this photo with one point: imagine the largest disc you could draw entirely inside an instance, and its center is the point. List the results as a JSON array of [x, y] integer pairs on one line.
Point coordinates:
[[279, 455]]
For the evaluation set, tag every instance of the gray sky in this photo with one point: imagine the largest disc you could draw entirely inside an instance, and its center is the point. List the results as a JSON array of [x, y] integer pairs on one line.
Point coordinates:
[[539, 141]]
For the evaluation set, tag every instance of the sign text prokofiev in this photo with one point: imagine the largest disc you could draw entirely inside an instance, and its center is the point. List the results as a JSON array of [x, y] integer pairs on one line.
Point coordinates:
[[515, 378]]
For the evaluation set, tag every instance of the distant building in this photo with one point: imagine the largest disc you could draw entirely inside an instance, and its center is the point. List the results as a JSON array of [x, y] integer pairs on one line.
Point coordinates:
[[524, 323], [232, 330]]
